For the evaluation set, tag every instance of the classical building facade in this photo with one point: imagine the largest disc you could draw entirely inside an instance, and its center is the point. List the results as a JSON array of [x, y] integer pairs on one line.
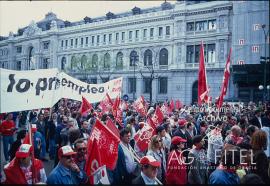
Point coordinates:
[[159, 43]]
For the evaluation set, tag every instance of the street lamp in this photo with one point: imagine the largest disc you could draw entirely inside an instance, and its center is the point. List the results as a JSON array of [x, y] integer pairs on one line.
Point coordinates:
[[265, 58], [261, 87]]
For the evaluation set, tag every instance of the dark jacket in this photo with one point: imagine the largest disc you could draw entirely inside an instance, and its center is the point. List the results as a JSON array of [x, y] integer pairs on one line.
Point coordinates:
[[138, 181], [254, 121]]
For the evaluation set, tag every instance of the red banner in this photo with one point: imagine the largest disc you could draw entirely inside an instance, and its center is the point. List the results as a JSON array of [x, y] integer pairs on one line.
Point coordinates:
[[143, 137], [85, 106]]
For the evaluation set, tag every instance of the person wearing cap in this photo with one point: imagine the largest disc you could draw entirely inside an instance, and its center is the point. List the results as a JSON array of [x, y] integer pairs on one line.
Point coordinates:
[[20, 169], [182, 132], [67, 172], [176, 168], [156, 149], [198, 170], [149, 169]]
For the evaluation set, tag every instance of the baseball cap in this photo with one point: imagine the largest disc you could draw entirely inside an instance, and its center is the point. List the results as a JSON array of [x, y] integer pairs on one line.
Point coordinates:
[[65, 151], [176, 140], [149, 160], [197, 139], [24, 151], [182, 122], [160, 128]]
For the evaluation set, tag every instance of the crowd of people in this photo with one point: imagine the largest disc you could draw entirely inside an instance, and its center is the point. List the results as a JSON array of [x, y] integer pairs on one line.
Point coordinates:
[[230, 146]]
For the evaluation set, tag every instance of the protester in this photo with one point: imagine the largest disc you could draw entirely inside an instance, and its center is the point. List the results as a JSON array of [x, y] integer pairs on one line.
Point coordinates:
[[15, 146], [148, 171], [257, 120], [7, 129], [156, 149], [66, 172], [226, 171], [234, 137], [176, 168], [52, 125], [198, 167], [22, 170]]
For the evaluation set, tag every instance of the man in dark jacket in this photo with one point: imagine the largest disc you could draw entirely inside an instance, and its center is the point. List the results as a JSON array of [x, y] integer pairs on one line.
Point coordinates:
[[149, 171], [257, 120]]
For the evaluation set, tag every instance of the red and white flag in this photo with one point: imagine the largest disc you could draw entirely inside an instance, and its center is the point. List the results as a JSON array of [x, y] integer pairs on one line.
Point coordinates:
[[101, 176], [106, 104], [112, 127], [171, 105], [203, 90], [165, 109], [158, 116], [116, 105], [143, 137], [225, 82], [107, 144], [140, 106], [93, 162], [178, 104], [85, 106]]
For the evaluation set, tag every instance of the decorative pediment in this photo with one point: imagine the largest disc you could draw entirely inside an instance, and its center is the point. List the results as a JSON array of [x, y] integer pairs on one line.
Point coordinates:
[[110, 15], [136, 10], [53, 25], [166, 6], [32, 29]]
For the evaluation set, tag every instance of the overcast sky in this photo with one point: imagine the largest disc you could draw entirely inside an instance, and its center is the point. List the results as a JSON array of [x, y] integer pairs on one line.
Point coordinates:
[[18, 14]]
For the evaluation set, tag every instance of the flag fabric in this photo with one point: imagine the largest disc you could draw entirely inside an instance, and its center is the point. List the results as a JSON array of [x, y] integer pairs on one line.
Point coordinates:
[[93, 162], [85, 106], [165, 109], [139, 106], [158, 116], [116, 104], [171, 105], [107, 144], [143, 137], [151, 123], [202, 79], [101, 176], [225, 82], [178, 104], [112, 127], [106, 104]]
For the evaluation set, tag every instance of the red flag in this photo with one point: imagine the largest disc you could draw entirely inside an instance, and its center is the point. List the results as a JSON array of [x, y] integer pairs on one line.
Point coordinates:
[[143, 137], [93, 162], [107, 144], [202, 79], [158, 116], [139, 106], [85, 106], [178, 104], [106, 104], [109, 99], [165, 109], [112, 127], [171, 105], [116, 104], [152, 124], [225, 82]]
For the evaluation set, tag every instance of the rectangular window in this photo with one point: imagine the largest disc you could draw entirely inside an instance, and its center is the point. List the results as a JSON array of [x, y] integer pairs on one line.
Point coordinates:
[[93, 39], [46, 45], [123, 36], [66, 43], [110, 38], [76, 41], [197, 53], [62, 43], [151, 32], [45, 63], [19, 49], [255, 49], [117, 36], [104, 38], [98, 39], [137, 34], [144, 32], [241, 41], [162, 85], [71, 42], [130, 35], [212, 24], [190, 54], [146, 85], [86, 40], [82, 41], [168, 30], [211, 53], [160, 31], [131, 85], [93, 81], [201, 25], [19, 65], [190, 26]]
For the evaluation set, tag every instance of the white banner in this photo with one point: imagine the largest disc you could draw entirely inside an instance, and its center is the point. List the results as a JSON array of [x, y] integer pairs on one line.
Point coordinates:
[[35, 89]]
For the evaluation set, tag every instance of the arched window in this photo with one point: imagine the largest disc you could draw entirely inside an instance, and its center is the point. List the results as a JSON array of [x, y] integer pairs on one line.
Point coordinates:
[[94, 61], [31, 62], [119, 60], [163, 57], [83, 62], [133, 58], [147, 60], [73, 63], [107, 60], [63, 63]]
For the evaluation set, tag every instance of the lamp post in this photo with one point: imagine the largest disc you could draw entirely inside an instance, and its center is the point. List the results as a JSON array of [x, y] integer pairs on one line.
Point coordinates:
[[265, 62]]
